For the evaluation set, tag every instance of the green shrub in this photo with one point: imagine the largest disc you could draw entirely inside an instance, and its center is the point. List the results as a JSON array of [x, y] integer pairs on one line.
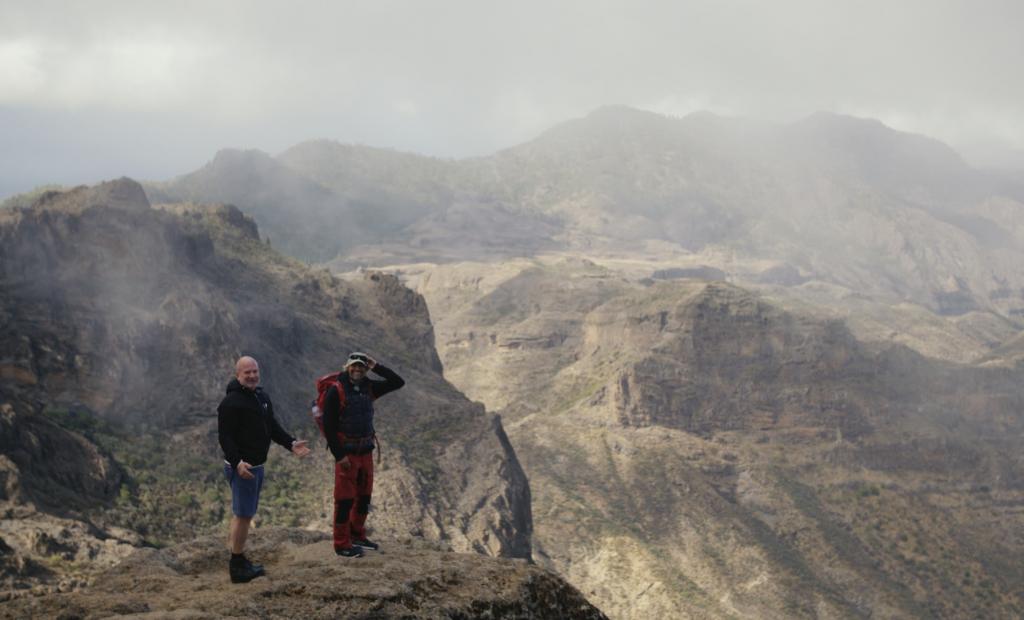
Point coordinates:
[[124, 496], [868, 491]]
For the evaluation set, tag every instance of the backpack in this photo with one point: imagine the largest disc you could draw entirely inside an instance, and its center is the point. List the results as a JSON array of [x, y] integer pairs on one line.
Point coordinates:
[[323, 384]]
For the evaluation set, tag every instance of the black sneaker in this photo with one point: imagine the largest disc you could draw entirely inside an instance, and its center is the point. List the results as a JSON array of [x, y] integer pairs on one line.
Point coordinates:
[[366, 543], [243, 572], [351, 552]]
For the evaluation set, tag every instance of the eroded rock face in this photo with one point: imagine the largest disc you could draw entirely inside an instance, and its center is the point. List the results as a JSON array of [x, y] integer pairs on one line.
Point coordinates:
[[726, 361], [406, 314], [50, 467], [695, 450], [407, 578]]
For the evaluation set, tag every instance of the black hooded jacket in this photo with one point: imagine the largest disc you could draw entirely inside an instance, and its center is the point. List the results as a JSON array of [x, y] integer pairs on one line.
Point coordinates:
[[246, 425]]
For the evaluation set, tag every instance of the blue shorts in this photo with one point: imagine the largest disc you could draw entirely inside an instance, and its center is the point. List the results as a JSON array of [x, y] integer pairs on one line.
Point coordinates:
[[245, 494]]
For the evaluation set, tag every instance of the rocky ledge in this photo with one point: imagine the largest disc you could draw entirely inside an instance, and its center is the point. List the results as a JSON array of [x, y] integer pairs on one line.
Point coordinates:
[[407, 579]]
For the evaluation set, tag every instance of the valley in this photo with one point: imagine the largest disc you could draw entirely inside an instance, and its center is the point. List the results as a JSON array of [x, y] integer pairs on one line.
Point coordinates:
[[700, 367]]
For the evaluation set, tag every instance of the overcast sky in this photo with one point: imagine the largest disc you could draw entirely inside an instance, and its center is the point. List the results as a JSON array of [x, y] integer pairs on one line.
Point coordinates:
[[94, 90]]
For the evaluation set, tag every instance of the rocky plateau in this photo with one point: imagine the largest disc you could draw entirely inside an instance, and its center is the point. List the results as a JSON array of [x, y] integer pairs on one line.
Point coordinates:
[[408, 578]]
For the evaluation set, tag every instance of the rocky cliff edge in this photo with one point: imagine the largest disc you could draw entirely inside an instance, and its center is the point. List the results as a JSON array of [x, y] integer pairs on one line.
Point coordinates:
[[408, 579]]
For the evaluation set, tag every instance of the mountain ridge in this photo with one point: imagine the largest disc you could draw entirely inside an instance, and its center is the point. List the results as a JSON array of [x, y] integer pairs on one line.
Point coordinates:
[[845, 201], [120, 327]]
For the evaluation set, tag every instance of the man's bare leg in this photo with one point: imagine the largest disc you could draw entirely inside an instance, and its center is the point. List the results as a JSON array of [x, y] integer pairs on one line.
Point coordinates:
[[238, 533]]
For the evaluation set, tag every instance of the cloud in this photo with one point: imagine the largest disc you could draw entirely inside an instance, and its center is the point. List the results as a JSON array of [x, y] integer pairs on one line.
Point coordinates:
[[21, 77], [118, 73], [406, 108], [458, 78]]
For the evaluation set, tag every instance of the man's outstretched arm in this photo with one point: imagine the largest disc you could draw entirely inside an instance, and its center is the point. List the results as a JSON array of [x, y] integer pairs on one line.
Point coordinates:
[[284, 438], [278, 434]]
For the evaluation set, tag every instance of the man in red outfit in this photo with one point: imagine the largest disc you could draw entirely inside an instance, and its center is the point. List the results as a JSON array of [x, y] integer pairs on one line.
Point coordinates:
[[348, 426]]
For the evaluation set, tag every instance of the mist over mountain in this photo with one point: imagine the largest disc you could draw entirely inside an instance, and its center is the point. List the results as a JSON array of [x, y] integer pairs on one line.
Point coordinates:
[[296, 208], [835, 199]]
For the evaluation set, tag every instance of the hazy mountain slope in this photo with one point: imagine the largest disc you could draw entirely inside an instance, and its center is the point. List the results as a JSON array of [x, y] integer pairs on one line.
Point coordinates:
[[402, 186], [908, 166], [120, 326], [414, 207], [302, 217], [841, 200], [696, 451]]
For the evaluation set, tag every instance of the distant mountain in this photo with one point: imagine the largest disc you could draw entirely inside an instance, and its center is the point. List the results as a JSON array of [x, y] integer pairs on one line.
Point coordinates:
[[119, 326], [405, 187], [840, 200], [899, 164], [307, 219]]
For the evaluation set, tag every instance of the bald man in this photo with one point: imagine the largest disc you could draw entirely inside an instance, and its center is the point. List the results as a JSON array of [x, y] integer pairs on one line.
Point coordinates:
[[245, 426]]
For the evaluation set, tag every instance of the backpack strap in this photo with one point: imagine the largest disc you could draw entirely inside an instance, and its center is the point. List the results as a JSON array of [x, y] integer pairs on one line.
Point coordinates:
[[323, 385]]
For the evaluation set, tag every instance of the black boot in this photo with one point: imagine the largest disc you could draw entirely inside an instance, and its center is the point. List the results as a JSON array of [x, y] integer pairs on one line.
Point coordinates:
[[241, 570]]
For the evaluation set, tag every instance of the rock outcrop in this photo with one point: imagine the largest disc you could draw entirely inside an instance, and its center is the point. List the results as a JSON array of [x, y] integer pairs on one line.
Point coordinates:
[[41, 553], [406, 579], [122, 194]]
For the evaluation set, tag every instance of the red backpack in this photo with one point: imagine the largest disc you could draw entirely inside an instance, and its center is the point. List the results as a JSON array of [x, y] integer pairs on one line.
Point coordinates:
[[323, 384]]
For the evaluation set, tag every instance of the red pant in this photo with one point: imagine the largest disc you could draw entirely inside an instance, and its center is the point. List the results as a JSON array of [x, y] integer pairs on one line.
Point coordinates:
[[352, 490]]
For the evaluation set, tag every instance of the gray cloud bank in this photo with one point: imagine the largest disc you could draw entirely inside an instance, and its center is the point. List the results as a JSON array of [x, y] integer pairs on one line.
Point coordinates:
[[99, 89]]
